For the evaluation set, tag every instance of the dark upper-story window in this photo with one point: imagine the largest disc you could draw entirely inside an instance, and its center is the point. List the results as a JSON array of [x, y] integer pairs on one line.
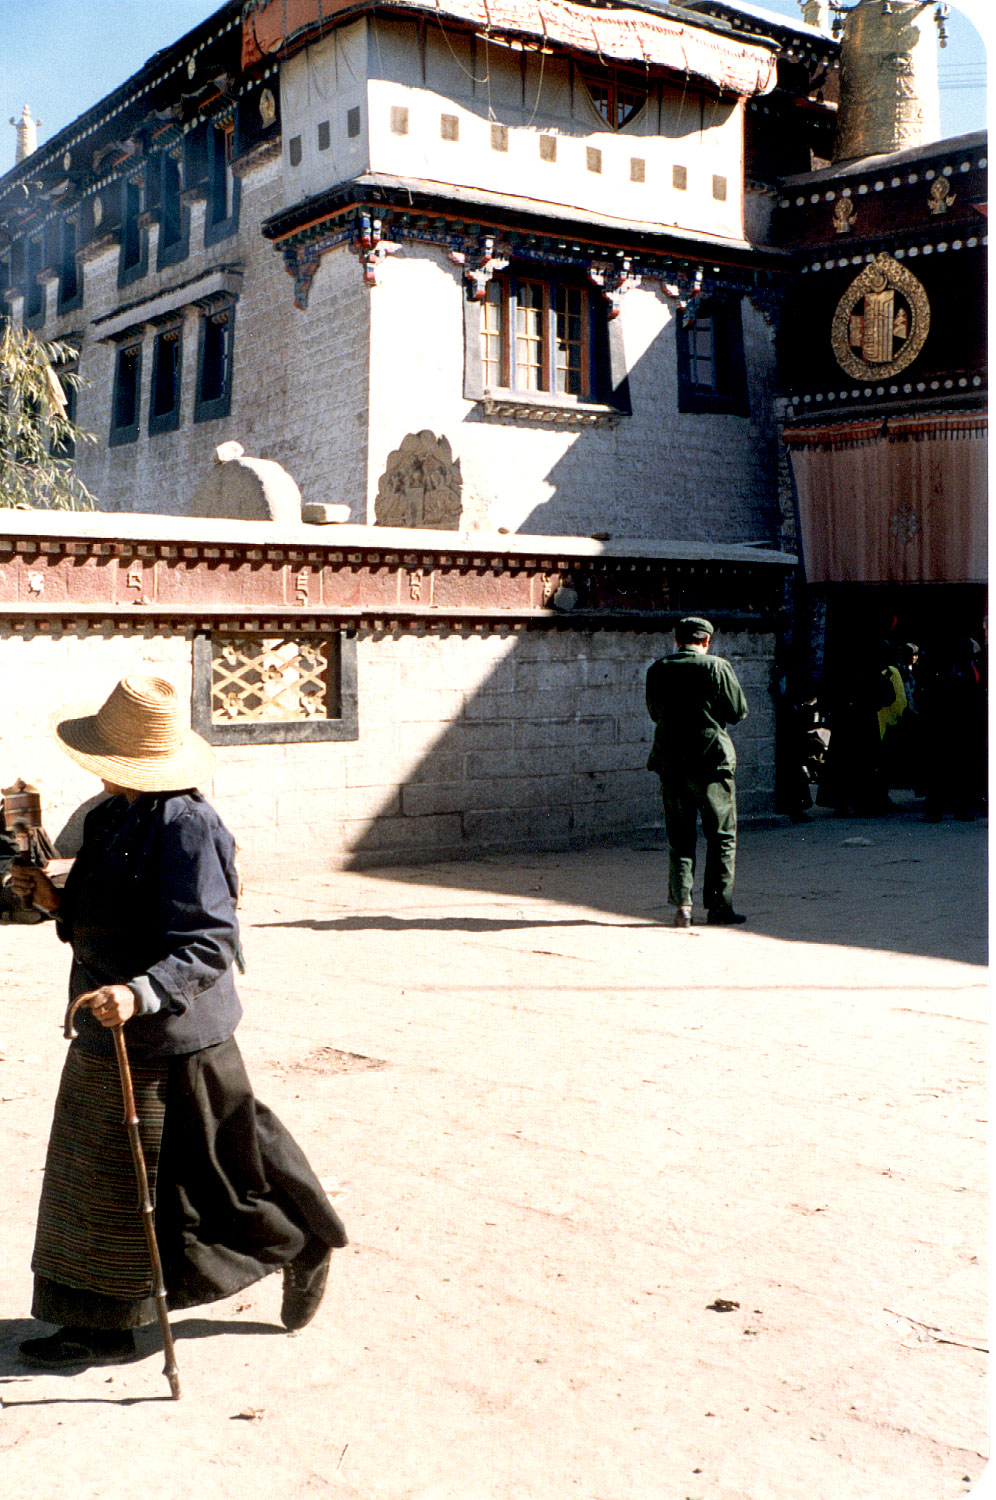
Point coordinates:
[[174, 217], [134, 243], [67, 448], [164, 396], [223, 187], [70, 271], [127, 390], [711, 372], [214, 363], [617, 94], [34, 292]]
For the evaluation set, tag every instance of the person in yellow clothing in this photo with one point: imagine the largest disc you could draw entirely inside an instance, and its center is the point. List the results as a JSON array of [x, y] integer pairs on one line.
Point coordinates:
[[891, 713]]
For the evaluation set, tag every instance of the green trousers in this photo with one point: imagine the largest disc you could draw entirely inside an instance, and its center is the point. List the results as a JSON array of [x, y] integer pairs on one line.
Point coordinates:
[[686, 799]]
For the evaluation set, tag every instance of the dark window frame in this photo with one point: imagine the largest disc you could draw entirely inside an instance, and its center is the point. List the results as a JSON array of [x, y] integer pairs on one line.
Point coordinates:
[[35, 297], [133, 257], [213, 398], [70, 270], [174, 215], [725, 391], [224, 188], [130, 352], [167, 379], [345, 726], [67, 449]]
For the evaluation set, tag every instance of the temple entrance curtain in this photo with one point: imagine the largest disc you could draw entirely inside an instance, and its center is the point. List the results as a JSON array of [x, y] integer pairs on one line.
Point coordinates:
[[900, 504]]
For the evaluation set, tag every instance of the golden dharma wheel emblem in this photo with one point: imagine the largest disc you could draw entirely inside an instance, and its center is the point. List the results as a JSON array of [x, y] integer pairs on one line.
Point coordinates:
[[881, 322]]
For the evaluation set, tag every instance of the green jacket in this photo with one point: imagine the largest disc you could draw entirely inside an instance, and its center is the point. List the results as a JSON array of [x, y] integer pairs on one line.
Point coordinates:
[[691, 698]]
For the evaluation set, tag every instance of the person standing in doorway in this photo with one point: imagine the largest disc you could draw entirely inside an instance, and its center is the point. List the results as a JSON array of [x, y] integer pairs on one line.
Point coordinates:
[[692, 697]]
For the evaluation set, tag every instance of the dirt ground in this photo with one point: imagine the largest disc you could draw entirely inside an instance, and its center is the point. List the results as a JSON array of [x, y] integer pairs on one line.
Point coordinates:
[[635, 1213]]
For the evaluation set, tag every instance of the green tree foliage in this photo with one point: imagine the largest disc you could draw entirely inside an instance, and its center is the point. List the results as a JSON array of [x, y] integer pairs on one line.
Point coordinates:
[[38, 441]]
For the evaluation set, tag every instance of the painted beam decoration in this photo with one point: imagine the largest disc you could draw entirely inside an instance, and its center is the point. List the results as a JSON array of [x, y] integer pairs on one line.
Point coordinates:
[[174, 582]]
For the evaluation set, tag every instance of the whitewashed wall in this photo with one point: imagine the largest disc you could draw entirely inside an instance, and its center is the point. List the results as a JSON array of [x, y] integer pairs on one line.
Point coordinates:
[[658, 472], [377, 66], [466, 743]]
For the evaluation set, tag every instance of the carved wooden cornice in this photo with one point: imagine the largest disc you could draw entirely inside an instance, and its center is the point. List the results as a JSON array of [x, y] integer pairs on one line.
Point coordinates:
[[50, 582]]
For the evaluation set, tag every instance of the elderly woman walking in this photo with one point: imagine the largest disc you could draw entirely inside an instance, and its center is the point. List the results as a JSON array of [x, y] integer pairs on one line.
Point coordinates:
[[148, 910]]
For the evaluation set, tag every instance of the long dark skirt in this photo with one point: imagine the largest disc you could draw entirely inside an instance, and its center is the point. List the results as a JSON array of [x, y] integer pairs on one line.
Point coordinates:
[[235, 1197]]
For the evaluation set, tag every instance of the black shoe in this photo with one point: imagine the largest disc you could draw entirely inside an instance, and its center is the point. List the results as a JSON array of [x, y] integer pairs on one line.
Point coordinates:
[[304, 1285], [724, 916], [80, 1346]]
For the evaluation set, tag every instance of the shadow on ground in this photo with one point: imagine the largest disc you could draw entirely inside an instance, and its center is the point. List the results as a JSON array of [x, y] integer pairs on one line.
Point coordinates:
[[893, 883]]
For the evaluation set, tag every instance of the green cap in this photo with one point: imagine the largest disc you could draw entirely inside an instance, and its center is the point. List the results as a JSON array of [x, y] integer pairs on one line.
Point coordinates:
[[693, 626]]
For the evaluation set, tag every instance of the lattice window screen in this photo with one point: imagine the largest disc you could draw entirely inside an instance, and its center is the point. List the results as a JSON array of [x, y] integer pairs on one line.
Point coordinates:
[[259, 679]]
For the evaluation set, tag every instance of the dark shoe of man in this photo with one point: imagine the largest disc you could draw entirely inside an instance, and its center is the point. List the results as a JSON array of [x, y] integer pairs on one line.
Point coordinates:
[[683, 916], [80, 1347], [304, 1284], [724, 916]]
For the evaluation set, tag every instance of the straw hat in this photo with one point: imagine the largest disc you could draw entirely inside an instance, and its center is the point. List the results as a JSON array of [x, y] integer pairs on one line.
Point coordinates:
[[137, 738]]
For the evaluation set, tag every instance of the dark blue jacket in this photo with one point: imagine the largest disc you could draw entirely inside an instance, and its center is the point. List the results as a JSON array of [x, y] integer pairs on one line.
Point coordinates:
[[150, 902]]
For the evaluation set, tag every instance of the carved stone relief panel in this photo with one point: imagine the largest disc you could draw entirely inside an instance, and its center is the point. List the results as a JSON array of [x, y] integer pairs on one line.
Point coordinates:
[[421, 486]]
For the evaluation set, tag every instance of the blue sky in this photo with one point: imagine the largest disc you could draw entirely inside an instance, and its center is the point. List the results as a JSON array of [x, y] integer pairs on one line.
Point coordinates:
[[61, 56]]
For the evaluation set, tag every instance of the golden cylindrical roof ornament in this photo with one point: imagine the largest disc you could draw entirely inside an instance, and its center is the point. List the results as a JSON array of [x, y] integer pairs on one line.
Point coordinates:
[[888, 79]]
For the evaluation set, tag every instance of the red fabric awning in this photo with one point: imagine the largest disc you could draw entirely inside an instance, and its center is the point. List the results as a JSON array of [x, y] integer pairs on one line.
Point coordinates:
[[901, 504], [626, 36]]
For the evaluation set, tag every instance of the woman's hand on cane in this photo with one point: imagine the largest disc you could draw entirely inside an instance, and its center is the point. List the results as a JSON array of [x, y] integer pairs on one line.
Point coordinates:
[[34, 886], [112, 1004]]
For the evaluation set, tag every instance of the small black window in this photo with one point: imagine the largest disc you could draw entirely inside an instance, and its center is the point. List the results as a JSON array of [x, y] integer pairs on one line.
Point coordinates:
[[34, 292], [127, 385], [224, 188], [67, 448], [174, 219], [164, 398], [324, 135], [711, 372], [294, 150], [134, 247], [214, 364], [70, 274], [353, 121]]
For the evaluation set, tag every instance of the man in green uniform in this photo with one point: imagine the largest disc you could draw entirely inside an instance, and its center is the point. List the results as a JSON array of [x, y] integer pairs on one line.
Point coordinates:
[[692, 697]]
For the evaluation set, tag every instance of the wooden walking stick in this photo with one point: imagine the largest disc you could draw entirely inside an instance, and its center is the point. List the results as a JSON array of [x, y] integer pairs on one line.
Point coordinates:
[[145, 1200]]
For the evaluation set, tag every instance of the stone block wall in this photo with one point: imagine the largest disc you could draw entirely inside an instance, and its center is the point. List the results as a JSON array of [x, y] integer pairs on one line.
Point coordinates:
[[467, 742], [299, 379]]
